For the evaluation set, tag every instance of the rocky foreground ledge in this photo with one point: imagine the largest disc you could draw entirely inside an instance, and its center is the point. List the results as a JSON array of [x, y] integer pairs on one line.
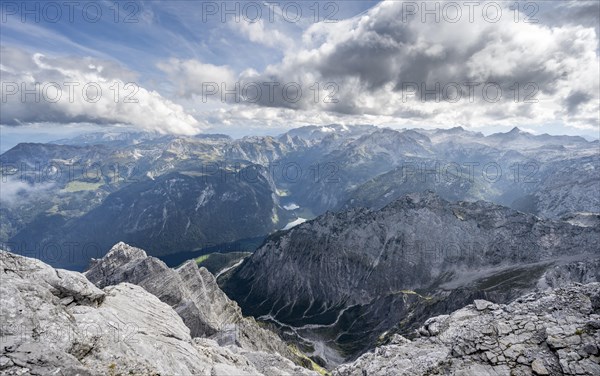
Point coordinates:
[[555, 332], [142, 318]]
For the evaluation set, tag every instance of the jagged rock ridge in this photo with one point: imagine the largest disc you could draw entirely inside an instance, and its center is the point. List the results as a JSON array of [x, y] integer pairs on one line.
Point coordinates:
[[192, 292]]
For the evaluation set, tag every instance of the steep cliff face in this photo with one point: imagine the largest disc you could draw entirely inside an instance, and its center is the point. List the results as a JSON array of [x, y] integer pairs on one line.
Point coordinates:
[[410, 244], [556, 332], [581, 272], [56, 322], [350, 276], [571, 186]]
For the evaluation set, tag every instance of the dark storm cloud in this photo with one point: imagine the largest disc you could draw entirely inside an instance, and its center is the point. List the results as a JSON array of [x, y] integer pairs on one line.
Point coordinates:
[[583, 13], [379, 55], [575, 99]]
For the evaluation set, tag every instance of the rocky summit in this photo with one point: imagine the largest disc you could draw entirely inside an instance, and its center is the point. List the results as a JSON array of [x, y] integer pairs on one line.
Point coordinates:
[[555, 332], [56, 322]]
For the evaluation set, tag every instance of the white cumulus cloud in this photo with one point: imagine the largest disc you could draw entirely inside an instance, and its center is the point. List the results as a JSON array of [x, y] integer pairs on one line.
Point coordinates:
[[38, 88]]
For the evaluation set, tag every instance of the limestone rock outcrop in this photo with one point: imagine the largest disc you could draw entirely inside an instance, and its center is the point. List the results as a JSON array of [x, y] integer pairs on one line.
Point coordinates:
[[555, 332], [56, 322], [192, 292]]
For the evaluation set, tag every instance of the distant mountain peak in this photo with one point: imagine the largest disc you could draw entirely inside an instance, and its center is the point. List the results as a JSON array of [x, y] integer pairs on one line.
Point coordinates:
[[513, 133], [516, 130]]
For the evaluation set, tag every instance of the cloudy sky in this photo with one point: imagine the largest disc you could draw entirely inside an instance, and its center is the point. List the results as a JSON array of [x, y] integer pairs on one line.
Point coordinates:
[[187, 67]]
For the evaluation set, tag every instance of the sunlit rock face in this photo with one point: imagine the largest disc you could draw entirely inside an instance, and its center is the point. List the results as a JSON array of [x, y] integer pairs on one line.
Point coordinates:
[[57, 322], [192, 292]]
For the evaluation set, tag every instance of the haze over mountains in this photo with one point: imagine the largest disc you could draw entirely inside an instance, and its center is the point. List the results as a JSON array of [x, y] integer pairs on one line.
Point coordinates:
[[162, 192]]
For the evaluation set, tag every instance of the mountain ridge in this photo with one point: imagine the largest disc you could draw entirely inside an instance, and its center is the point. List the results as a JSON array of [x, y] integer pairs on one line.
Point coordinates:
[[49, 188], [340, 266]]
